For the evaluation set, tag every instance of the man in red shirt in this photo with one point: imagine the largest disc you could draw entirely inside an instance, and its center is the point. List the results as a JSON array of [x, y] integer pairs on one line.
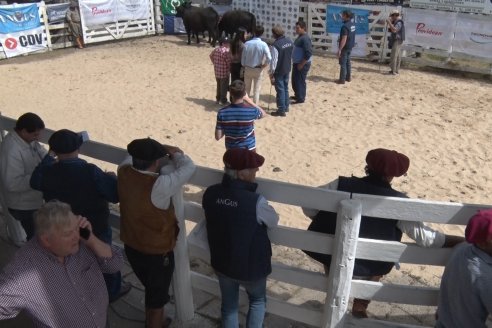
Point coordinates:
[[221, 59]]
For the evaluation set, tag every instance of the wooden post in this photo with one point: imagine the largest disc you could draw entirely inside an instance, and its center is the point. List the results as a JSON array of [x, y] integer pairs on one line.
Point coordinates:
[[342, 263], [183, 294]]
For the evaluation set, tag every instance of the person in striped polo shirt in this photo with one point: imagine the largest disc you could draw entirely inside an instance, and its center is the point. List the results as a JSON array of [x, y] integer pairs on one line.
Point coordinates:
[[237, 121]]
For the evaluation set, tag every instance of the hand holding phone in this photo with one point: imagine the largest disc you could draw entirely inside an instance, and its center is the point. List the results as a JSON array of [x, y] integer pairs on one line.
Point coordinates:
[[84, 233]]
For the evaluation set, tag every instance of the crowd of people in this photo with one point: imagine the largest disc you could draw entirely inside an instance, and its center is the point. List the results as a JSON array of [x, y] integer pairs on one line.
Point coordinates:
[[68, 271]]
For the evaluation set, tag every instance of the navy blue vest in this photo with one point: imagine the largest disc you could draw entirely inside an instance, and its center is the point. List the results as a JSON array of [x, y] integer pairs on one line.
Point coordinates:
[[370, 227], [73, 183], [348, 29], [239, 246], [284, 47]]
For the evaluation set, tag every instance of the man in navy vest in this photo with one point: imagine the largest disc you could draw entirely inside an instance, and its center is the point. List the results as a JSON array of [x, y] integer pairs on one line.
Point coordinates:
[[280, 69], [382, 166], [62, 175], [345, 45], [237, 221]]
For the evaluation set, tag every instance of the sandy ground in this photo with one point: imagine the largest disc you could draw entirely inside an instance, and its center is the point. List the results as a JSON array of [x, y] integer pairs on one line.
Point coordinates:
[[162, 88]]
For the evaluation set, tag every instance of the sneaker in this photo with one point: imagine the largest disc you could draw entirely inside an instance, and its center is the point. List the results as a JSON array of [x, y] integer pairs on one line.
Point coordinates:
[[278, 113], [124, 289]]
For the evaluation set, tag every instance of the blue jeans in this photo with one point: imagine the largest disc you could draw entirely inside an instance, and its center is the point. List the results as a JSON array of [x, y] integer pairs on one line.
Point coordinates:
[[282, 88], [299, 81], [113, 280], [345, 66], [229, 288]]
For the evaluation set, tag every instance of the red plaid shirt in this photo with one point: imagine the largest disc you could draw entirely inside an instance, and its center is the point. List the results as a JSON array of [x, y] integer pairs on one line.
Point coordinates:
[[221, 59]]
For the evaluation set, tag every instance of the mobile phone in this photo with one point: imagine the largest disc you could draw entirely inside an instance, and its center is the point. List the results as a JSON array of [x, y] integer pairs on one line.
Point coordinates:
[[84, 233]]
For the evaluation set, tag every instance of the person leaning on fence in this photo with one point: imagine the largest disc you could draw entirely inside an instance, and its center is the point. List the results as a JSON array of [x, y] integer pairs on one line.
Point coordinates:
[[237, 219], [221, 59], [382, 167], [56, 277], [19, 155], [465, 298], [74, 23], [149, 187], [397, 36], [345, 45], [237, 121]]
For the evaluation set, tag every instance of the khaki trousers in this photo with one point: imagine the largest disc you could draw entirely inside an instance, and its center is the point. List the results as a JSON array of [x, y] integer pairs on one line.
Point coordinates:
[[253, 76]]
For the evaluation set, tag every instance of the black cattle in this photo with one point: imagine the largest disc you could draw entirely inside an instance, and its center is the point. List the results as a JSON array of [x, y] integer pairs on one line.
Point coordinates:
[[198, 20], [232, 20]]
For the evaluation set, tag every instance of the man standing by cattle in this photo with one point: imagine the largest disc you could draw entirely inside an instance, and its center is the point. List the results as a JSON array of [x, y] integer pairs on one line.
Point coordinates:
[[280, 69], [345, 45], [256, 56], [301, 62]]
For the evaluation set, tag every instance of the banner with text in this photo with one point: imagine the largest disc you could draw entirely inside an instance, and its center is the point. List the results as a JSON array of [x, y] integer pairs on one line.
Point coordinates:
[[56, 12], [15, 18], [97, 12], [473, 35], [467, 6], [19, 43], [429, 29], [132, 9], [334, 23]]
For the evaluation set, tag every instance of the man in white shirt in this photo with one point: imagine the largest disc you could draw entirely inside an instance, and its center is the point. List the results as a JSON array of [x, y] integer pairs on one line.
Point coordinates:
[[19, 155], [149, 184], [382, 166]]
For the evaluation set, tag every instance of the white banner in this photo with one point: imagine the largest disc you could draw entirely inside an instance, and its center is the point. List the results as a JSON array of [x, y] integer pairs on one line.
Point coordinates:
[[429, 29], [132, 9], [473, 35], [359, 50], [468, 6], [97, 12], [19, 43]]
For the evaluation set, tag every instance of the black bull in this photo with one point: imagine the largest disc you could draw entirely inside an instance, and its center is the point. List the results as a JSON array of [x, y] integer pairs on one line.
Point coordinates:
[[232, 20], [197, 20]]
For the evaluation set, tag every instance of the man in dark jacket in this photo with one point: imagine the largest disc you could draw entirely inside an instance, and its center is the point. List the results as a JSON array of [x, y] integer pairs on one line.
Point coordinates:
[[345, 45], [280, 69], [84, 186], [382, 166], [237, 221]]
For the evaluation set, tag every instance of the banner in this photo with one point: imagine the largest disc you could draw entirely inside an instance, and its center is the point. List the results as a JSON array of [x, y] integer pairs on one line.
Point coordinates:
[[15, 18], [168, 7], [132, 9], [473, 36], [270, 13], [468, 6], [173, 25], [429, 29], [19, 43], [56, 13], [97, 12], [334, 23]]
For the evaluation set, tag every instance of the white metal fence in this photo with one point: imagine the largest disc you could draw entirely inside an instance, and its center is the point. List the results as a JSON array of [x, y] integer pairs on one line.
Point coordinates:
[[338, 286]]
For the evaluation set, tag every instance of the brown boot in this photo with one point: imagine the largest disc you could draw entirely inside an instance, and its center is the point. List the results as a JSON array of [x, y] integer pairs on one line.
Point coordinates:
[[79, 42], [154, 318], [359, 308]]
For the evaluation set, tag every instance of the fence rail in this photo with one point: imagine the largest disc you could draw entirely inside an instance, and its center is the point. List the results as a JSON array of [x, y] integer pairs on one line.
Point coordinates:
[[339, 285]]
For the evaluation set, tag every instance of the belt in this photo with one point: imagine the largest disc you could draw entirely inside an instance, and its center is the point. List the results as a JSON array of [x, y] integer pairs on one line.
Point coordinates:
[[259, 66]]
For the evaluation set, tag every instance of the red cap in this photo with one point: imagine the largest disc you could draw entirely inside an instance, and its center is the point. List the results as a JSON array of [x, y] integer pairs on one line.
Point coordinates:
[[479, 228], [387, 163], [242, 158]]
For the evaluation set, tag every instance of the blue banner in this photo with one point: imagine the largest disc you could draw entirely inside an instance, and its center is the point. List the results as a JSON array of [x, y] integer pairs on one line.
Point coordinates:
[[18, 18], [334, 20]]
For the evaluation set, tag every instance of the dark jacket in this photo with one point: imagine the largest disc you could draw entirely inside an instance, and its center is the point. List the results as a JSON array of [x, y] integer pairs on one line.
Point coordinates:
[[348, 29], [239, 245], [370, 227], [284, 47]]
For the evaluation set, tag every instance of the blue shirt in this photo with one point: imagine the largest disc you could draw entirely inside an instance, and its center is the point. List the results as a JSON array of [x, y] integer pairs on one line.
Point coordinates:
[[237, 121], [303, 49], [465, 298], [255, 53]]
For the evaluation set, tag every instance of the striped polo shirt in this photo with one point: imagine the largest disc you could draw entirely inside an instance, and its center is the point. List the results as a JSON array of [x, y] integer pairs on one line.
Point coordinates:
[[237, 121]]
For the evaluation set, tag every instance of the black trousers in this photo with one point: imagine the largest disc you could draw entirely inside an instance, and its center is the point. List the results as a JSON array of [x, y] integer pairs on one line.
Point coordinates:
[[155, 272]]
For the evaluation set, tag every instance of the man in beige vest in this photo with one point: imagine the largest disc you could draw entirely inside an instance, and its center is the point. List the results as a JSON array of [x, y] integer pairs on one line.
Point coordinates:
[[148, 181]]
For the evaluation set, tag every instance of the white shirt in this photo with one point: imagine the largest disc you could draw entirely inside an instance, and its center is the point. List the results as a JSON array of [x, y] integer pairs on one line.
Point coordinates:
[[419, 232]]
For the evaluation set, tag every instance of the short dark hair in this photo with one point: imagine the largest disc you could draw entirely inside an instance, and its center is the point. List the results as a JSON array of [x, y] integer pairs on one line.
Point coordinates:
[[141, 164], [259, 30], [237, 89], [30, 122], [347, 13], [301, 24]]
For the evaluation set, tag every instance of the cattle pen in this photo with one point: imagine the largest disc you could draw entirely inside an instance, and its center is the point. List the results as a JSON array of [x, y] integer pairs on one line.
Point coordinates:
[[344, 245]]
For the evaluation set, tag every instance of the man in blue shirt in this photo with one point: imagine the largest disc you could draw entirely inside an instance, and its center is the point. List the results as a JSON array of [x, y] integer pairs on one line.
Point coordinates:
[[255, 57], [345, 45], [301, 62], [84, 186]]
